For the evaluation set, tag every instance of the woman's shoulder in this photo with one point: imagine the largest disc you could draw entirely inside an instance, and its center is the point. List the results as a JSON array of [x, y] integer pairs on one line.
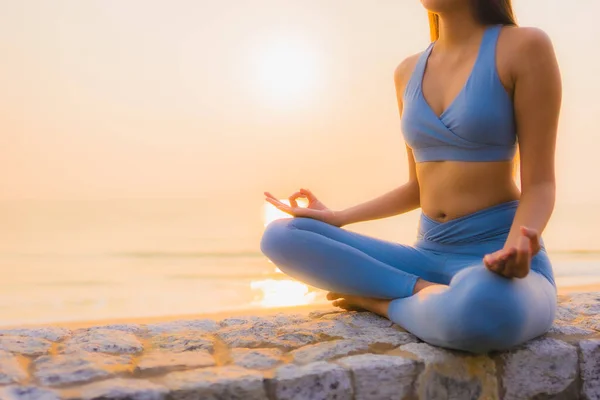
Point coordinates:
[[404, 70], [522, 46], [525, 38]]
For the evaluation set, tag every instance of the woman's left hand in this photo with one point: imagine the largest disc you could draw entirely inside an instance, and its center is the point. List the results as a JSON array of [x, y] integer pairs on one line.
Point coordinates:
[[515, 261]]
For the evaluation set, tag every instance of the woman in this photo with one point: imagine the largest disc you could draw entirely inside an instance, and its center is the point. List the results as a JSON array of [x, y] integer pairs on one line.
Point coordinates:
[[478, 277]]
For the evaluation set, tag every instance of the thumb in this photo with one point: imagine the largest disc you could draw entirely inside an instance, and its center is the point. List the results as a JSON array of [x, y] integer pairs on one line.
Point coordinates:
[[533, 236]]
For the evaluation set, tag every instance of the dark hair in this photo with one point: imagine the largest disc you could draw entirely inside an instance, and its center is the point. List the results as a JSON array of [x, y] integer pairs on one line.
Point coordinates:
[[494, 12], [488, 12]]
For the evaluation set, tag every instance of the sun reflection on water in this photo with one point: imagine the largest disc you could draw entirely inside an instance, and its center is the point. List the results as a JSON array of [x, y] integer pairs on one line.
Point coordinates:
[[281, 292]]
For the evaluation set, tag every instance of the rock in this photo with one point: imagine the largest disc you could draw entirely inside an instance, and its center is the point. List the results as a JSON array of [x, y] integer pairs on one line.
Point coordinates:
[[316, 381], [541, 368], [123, 389], [272, 321], [360, 319], [264, 335], [197, 325], [231, 383], [284, 319], [293, 340], [245, 320], [160, 361], [103, 341], [565, 313], [328, 350], [29, 346], [319, 313], [584, 303], [382, 377], [256, 358], [183, 341], [324, 329], [11, 370], [27, 393], [259, 333], [81, 367], [592, 322], [562, 329], [53, 334], [130, 328], [452, 374], [389, 337], [589, 366]]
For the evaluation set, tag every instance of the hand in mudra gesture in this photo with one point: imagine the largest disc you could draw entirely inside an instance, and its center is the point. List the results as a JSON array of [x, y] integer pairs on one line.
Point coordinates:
[[515, 261], [315, 209]]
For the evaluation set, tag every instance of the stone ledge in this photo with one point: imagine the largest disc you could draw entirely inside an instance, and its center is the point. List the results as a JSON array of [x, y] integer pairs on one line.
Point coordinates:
[[318, 355]]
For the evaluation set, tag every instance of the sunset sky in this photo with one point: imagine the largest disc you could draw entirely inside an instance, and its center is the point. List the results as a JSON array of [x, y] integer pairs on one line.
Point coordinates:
[[133, 99]]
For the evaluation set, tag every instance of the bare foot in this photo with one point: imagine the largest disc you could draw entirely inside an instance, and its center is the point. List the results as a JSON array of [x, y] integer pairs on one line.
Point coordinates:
[[355, 303]]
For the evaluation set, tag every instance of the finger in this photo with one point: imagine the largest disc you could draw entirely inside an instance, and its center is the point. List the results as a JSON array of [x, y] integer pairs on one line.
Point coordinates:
[[293, 198], [497, 267], [311, 197], [522, 257], [533, 236], [276, 202], [269, 195], [508, 253], [283, 207], [494, 257]]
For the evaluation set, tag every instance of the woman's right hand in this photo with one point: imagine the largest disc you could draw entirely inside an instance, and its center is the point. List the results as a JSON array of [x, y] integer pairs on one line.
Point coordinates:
[[314, 210]]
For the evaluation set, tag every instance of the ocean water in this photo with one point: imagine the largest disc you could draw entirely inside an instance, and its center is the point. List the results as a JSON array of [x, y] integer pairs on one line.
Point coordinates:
[[77, 261]]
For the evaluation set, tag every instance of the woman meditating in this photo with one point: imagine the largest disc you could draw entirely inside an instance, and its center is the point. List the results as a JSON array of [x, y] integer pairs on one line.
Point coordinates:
[[478, 277]]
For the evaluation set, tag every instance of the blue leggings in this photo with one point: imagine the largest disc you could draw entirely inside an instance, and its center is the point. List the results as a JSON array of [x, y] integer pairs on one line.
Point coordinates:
[[480, 311]]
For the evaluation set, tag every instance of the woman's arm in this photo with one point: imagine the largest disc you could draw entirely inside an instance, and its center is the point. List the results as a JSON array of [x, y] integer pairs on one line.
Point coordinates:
[[400, 200], [404, 198], [537, 99]]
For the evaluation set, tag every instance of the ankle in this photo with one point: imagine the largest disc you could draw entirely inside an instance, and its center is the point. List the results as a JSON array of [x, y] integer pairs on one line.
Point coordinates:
[[421, 284]]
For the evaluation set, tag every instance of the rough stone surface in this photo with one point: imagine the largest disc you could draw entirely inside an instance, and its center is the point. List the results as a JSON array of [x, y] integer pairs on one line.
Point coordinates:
[[184, 341], [323, 329], [328, 350], [382, 377], [584, 303], [359, 319], [30, 346], [103, 341], [550, 365], [327, 354], [452, 374], [197, 325], [267, 334], [589, 365], [123, 389], [53, 334], [79, 368], [160, 361], [256, 358], [11, 371], [130, 328], [315, 381], [28, 393], [231, 382], [566, 330]]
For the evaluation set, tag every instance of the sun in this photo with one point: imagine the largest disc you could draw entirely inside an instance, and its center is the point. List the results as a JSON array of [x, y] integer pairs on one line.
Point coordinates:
[[285, 71]]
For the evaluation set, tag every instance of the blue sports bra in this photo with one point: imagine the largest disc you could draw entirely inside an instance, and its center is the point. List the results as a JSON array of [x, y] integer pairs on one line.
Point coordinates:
[[477, 126]]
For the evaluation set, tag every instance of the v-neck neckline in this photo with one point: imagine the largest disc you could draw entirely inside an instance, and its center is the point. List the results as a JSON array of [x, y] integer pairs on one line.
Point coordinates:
[[424, 69]]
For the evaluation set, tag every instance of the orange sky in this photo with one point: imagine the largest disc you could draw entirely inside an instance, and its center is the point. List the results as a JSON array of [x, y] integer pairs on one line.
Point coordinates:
[[109, 99]]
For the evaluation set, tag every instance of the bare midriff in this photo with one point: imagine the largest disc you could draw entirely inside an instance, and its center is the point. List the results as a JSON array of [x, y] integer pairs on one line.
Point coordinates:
[[452, 189]]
